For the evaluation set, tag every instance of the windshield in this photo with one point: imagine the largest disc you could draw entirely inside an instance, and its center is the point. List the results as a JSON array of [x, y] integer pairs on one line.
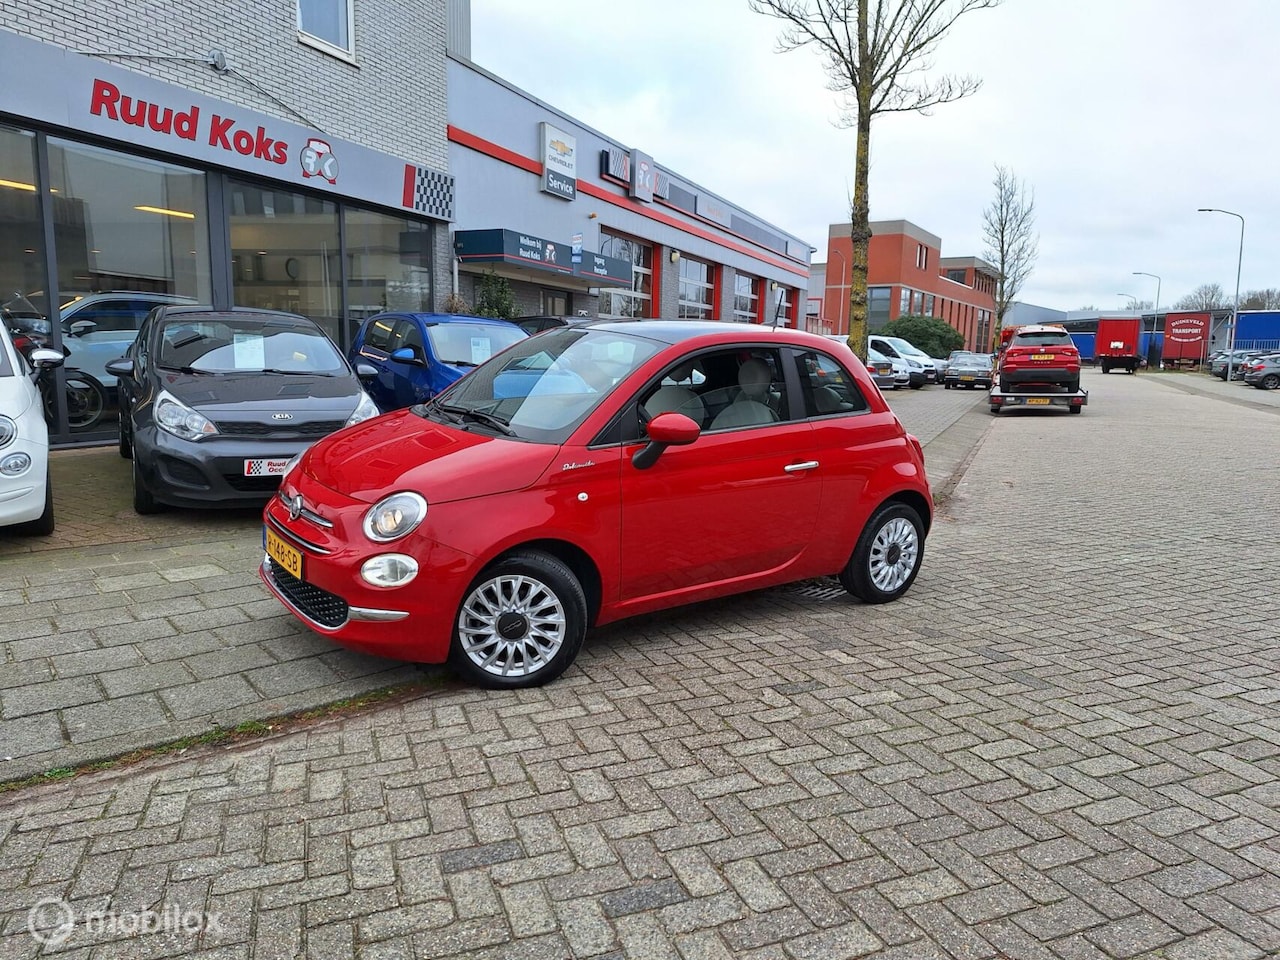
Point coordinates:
[[471, 344], [247, 345], [544, 386], [904, 346], [21, 315]]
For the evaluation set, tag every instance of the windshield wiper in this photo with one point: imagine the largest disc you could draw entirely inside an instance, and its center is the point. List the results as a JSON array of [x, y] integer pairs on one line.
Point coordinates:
[[163, 366], [295, 373], [488, 419], [461, 363]]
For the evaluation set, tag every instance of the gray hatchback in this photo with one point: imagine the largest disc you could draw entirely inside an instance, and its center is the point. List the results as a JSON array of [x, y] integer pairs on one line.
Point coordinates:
[[215, 403]]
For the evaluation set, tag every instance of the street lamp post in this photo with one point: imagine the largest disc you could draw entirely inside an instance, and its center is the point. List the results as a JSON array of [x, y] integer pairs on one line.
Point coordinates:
[[1235, 312], [1132, 306], [844, 296], [1155, 313]]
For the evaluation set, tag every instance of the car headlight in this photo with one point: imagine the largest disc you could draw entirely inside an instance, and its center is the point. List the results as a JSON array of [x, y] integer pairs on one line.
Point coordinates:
[[15, 464], [366, 409], [914, 363], [394, 517], [177, 418], [8, 430], [389, 570]]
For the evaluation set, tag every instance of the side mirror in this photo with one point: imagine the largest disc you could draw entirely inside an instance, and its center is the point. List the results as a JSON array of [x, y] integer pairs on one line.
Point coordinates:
[[121, 367], [366, 371], [408, 355], [81, 327], [665, 430], [42, 358]]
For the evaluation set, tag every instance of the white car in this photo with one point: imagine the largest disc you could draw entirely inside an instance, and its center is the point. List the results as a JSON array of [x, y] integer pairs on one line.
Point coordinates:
[[932, 368], [26, 495]]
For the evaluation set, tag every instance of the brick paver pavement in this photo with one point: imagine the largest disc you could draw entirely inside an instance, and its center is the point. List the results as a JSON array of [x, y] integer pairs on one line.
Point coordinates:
[[1063, 743], [122, 631]]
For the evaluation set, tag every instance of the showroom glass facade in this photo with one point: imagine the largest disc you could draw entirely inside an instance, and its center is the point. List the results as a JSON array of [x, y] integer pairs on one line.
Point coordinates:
[[113, 234], [638, 301]]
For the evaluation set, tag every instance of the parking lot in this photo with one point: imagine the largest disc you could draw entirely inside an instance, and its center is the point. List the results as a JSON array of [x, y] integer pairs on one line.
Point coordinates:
[[1061, 743]]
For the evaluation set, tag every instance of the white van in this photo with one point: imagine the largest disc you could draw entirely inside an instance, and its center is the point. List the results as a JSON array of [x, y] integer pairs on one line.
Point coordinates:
[[924, 368]]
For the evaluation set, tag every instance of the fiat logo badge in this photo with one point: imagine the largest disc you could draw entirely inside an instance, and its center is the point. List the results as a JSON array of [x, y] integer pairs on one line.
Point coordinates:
[[282, 416]]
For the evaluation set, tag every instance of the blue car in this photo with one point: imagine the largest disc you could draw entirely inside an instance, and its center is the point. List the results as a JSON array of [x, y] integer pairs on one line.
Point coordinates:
[[419, 354]]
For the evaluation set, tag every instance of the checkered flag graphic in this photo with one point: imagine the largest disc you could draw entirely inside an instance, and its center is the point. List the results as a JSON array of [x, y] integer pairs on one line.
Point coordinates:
[[255, 469], [428, 191]]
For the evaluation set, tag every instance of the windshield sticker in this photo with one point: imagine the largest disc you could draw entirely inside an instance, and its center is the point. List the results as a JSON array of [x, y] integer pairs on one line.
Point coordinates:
[[249, 351], [481, 349]]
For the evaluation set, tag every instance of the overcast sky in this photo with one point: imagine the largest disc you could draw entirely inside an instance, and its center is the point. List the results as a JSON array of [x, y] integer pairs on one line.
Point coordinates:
[[1124, 116]]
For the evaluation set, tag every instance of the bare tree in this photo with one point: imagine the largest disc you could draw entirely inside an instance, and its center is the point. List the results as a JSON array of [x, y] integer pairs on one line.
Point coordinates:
[[1012, 244], [1268, 299], [875, 53], [1207, 296]]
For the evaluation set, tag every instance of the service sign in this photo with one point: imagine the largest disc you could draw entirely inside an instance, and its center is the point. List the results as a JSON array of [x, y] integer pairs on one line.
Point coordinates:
[[559, 163], [84, 93]]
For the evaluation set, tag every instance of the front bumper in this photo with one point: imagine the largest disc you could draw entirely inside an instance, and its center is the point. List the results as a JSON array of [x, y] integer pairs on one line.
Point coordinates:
[[208, 473], [412, 622], [967, 380], [22, 497]]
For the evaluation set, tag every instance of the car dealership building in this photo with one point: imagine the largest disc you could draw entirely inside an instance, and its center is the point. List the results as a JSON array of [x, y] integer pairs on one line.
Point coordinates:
[[336, 158]]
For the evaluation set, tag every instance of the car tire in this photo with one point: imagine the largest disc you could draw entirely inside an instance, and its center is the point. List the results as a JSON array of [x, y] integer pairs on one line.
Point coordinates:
[[143, 502], [1073, 386], [995, 408], [1076, 409], [1271, 381], [887, 556], [493, 617], [125, 444], [42, 525], [1005, 386]]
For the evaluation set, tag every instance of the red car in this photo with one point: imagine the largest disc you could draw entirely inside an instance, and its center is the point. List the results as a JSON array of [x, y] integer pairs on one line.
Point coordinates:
[[1040, 355], [592, 473]]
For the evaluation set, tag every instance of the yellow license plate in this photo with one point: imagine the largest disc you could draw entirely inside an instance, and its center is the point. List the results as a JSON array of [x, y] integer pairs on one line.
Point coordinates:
[[288, 557], [1042, 356], [1039, 400], [966, 378]]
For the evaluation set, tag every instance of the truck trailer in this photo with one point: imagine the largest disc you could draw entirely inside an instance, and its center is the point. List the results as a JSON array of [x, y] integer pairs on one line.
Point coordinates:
[[1118, 345]]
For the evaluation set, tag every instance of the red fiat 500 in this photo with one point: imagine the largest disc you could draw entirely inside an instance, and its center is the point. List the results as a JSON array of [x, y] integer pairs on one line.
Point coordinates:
[[592, 473]]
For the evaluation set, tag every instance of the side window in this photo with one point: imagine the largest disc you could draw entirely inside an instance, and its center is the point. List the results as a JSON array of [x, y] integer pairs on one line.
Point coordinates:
[[677, 392], [406, 334], [827, 387], [141, 348], [378, 334], [744, 387], [111, 315]]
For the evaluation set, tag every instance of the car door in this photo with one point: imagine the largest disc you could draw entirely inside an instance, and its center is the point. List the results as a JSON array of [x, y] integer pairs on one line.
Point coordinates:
[[374, 345], [738, 504]]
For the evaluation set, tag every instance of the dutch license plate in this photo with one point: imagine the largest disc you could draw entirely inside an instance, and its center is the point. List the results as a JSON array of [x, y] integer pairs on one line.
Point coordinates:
[[282, 553], [1042, 356], [266, 467], [966, 378], [1039, 400]]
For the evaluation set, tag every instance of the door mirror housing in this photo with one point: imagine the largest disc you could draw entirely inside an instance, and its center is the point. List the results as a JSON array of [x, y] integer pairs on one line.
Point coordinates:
[[665, 430], [366, 371], [121, 367], [81, 327], [408, 355], [43, 358]]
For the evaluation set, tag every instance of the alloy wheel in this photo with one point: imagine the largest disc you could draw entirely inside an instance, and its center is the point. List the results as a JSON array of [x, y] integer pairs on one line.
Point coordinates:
[[893, 554], [512, 626]]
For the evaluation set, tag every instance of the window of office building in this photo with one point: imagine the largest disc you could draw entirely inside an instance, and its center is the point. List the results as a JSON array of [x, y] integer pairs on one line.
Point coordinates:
[[746, 298], [904, 302], [878, 299], [284, 253], [328, 24], [697, 289], [638, 301], [388, 265], [928, 304], [956, 275], [129, 234], [22, 268]]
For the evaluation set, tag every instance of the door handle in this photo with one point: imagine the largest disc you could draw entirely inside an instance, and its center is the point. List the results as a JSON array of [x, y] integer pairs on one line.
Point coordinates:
[[797, 467]]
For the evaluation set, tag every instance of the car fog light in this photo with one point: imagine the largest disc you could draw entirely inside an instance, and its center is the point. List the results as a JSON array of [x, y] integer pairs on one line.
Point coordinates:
[[389, 570], [15, 464]]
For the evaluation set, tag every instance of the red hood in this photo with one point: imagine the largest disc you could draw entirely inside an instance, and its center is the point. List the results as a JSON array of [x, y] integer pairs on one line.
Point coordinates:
[[402, 451]]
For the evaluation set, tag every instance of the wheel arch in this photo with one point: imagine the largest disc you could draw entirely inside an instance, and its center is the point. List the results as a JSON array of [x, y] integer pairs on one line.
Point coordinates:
[[916, 501], [573, 557]]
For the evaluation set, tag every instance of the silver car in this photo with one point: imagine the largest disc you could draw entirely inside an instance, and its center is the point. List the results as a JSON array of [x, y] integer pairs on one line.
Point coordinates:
[[1263, 372]]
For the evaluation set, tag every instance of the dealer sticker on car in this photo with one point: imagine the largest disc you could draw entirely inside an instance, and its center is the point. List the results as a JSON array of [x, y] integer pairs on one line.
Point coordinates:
[[264, 467]]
